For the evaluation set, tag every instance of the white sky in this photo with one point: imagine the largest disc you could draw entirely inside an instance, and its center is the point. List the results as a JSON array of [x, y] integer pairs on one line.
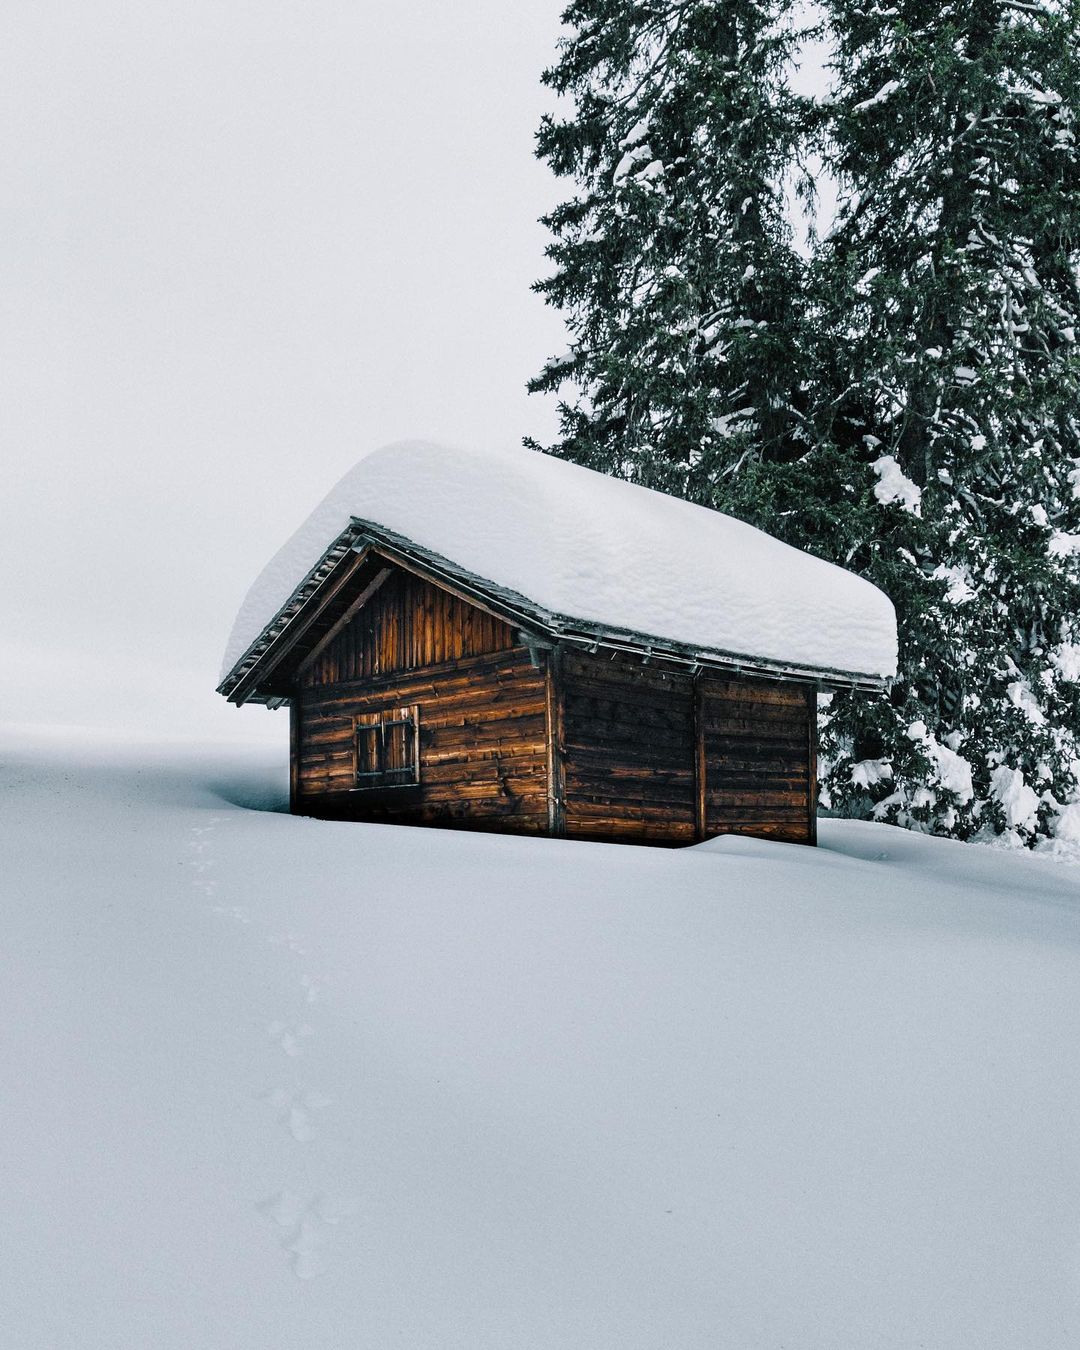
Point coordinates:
[[242, 243]]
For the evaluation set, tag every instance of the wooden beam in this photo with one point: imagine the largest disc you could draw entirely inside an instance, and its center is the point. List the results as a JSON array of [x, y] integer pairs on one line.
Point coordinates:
[[556, 743], [811, 754], [358, 604], [700, 766], [296, 628], [294, 752]]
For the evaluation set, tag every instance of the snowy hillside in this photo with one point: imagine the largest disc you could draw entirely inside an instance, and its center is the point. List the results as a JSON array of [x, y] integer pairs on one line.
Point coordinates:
[[274, 1083]]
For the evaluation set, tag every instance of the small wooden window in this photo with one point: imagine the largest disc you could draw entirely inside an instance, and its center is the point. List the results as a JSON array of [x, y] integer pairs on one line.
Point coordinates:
[[388, 748]]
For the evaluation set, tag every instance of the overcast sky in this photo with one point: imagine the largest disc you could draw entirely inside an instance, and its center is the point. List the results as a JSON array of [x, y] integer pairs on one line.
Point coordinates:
[[243, 242]]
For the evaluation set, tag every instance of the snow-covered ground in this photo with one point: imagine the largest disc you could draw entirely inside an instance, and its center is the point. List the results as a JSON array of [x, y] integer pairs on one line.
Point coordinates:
[[279, 1084]]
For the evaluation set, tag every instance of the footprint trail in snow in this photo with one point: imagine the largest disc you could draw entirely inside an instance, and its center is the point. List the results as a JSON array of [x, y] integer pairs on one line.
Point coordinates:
[[305, 1221], [290, 1038], [297, 1110]]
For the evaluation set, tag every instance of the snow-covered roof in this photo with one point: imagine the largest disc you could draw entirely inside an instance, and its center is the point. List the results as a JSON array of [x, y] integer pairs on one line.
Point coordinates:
[[587, 552]]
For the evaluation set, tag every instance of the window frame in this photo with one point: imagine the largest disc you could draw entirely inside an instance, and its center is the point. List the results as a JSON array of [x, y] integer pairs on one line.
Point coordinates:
[[375, 722]]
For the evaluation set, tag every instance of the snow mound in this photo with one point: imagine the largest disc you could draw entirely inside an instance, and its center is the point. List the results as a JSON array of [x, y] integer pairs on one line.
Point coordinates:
[[595, 549]]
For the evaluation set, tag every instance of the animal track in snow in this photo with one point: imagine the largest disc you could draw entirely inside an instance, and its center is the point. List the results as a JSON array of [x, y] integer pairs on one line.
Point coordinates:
[[305, 1223], [290, 940], [296, 1109], [201, 865], [289, 1038], [237, 912], [312, 988]]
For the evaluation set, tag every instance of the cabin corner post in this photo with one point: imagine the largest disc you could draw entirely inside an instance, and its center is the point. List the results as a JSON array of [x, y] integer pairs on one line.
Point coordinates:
[[698, 695], [811, 763], [294, 752], [556, 741]]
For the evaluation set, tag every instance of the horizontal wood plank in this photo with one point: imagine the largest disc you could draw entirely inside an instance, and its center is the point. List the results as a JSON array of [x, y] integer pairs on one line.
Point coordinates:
[[627, 758]]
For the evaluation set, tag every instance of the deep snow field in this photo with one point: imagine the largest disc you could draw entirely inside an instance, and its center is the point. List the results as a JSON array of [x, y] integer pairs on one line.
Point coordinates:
[[279, 1084]]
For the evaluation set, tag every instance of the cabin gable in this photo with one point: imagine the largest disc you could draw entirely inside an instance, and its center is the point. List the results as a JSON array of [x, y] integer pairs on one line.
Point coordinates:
[[447, 694], [407, 624]]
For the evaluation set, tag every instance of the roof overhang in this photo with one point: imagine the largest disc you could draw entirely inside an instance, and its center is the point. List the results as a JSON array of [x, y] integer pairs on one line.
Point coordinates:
[[356, 564]]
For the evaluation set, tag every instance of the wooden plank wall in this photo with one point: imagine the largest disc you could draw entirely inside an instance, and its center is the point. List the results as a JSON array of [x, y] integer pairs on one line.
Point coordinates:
[[759, 738], [408, 624], [652, 755], [595, 746], [483, 746], [483, 715], [629, 749]]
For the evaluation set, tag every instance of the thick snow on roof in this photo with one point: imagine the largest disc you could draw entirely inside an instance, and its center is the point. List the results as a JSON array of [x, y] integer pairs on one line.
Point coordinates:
[[595, 549]]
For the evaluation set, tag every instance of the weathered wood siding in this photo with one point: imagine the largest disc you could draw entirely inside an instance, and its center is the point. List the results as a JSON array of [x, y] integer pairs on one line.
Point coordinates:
[[590, 745], [408, 624], [760, 770], [483, 714], [628, 753], [651, 754]]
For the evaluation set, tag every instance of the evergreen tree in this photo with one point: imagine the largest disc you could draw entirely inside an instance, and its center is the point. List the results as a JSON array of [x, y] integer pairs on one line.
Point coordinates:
[[674, 265], [948, 440], [908, 408]]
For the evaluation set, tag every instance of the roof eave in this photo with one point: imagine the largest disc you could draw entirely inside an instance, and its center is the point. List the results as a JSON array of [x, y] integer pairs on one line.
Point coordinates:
[[519, 609], [241, 685]]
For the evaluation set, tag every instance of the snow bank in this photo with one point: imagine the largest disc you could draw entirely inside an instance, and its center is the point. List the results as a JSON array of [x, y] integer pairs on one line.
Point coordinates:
[[597, 549], [274, 1083]]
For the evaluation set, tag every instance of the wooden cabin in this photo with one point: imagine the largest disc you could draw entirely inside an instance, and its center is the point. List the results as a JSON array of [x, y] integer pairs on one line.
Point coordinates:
[[422, 693]]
